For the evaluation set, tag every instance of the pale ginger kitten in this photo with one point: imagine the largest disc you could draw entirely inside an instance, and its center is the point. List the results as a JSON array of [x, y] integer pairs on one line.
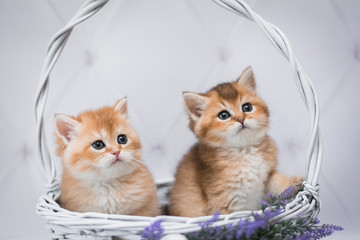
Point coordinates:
[[102, 168], [233, 165]]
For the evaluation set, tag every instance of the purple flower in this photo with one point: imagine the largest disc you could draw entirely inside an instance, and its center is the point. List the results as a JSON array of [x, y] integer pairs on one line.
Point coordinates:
[[253, 226], [230, 231], [258, 225], [230, 227], [286, 194], [216, 232], [210, 221], [316, 232], [264, 204], [268, 214], [240, 229], [270, 195], [153, 232]]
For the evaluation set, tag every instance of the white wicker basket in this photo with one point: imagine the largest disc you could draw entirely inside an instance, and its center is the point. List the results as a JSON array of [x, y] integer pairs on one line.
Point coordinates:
[[65, 224]]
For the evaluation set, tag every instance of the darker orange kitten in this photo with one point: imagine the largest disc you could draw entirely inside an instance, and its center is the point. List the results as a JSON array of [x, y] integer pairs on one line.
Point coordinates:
[[233, 165], [102, 168]]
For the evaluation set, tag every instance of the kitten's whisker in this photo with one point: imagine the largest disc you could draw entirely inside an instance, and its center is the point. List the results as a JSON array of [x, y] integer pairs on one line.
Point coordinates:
[[137, 161]]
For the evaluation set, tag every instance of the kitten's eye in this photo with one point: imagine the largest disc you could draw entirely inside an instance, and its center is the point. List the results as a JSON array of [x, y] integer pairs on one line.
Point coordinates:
[[122, 139], [247, 107], [98, 144], [223, 115]]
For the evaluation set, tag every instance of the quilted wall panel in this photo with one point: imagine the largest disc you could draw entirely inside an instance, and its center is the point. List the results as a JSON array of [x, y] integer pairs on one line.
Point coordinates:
[[153, 50]]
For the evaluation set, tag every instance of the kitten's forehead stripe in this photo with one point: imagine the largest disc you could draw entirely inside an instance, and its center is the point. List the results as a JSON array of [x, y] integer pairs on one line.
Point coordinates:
[[96, 134], [103, 133], [226, 91]]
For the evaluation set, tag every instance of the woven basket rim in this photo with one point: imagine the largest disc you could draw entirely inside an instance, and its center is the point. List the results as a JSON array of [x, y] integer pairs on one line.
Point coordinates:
[[59, 217]]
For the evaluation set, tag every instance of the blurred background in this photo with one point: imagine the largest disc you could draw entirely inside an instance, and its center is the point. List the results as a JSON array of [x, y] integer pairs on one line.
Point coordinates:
[[151, 51]]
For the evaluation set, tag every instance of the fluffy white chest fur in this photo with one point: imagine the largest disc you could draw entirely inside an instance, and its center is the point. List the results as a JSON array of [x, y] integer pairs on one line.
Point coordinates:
[[247, 184], [116, 198]]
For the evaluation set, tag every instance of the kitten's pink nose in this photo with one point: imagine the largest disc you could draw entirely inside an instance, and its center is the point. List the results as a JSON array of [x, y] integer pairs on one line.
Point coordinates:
[[116, 153], [240, 119]]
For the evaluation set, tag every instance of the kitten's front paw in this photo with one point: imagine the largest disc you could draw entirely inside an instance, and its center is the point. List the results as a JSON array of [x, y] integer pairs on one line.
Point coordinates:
[[297, 182]]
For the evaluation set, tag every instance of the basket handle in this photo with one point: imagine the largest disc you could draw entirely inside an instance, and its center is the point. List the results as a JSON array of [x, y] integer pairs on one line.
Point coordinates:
[[55, 47], [274, 34]]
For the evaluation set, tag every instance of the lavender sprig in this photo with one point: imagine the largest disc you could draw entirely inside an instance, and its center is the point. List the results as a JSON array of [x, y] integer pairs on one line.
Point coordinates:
[[318, 232], [257, 226], [153, 232], [210, 221], [286, 194]]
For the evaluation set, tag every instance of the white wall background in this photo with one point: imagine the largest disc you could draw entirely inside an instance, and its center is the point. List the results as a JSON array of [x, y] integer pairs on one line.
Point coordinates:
[[153, 50]]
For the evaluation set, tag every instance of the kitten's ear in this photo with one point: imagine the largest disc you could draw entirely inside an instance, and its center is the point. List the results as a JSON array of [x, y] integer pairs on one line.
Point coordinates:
[[195, 104], [122, 107], [247, 79], [65, 127]]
